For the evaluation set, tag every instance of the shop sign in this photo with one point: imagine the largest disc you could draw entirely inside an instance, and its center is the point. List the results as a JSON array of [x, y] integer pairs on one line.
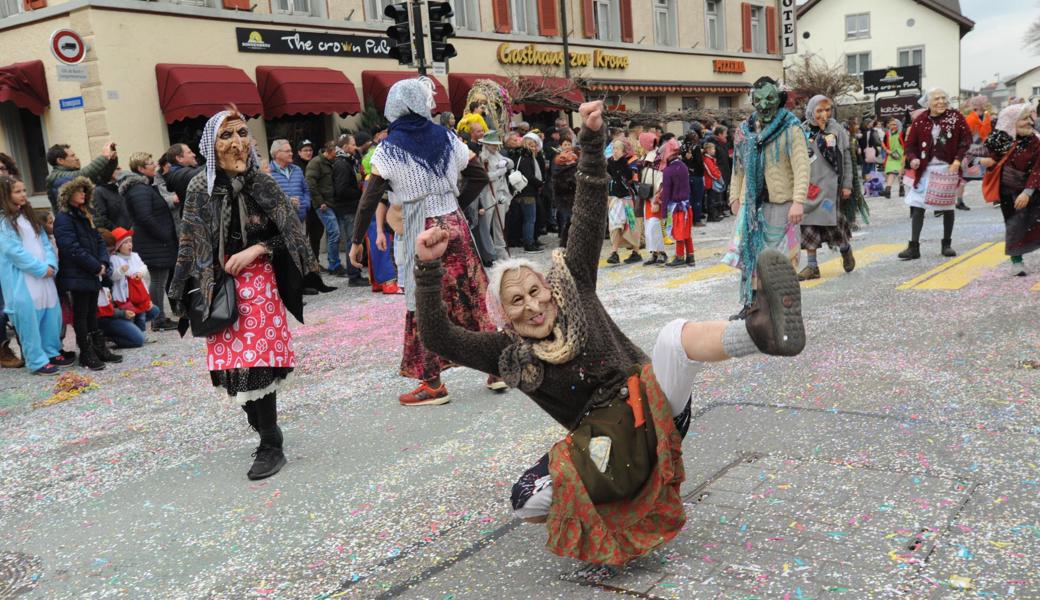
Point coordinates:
[[71, 103], [532, 55], [68, 46], [788, 27], [72, 73], [898, 107], [275, 41], [897, 79], [728, 66]]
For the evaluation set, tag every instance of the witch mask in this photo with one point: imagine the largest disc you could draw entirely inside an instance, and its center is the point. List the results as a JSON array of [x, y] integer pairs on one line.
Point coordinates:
[[233, 143], [765, 97]]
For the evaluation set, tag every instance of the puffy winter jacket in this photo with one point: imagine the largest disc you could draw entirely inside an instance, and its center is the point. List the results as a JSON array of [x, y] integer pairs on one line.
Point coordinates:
[[292, 182], [346, 188], [109, 208], [155, 234], [81, 252], [177, 181], [319, 180]]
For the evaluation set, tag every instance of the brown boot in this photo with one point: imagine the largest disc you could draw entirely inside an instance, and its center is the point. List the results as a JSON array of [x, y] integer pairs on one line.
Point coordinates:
[[808, 273], [848, 261], [8, 359], [775, 319]]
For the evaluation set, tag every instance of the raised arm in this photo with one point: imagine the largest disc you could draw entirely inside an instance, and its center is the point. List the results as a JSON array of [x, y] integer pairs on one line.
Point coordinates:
[[375, 187], [585, 239]]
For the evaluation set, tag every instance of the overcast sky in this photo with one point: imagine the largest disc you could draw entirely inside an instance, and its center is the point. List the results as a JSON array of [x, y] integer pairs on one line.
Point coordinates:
[[995, 45]]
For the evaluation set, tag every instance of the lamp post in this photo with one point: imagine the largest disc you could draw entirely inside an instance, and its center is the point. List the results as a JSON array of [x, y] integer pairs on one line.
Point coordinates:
[[566, 54]]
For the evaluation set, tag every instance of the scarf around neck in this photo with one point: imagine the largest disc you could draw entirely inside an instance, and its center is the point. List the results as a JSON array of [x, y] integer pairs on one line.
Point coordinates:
[[416, 138], [521, 364]]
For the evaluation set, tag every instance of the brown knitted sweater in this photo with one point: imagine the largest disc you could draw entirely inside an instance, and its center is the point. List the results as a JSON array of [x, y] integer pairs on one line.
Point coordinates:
[[600, 372]]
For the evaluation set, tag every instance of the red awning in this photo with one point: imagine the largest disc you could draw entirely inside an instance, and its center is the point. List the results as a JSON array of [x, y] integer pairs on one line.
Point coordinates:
[[25, 84], [377, 84], [305, 90], [459, 85], [563, 87], [187, 91]]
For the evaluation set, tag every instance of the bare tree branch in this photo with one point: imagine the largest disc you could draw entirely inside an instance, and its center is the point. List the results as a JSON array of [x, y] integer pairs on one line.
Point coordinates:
[[813, 75], [1032, 37]]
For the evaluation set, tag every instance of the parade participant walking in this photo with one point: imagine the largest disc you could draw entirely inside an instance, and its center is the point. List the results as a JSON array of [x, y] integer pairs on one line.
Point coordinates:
[[608, 492], [1014, 163], [830, 187], [894, 142], [66, 166], [770, 182], [674, 200], [27, 277], [936, 143], [526, 200], [82, 268], [155, 234], [623, 168], [238, 223], [420, 164]]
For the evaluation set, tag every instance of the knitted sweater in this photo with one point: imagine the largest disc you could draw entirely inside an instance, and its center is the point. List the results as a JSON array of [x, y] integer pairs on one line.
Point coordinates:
[[600, 372], [787, 178]]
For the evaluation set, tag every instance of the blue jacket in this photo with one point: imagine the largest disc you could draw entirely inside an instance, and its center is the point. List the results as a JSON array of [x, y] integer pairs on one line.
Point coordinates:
[[293, 185], [17, 262], [81, 252]]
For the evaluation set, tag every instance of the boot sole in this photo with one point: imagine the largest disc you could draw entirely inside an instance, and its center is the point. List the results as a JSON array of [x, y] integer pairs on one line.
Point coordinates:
[[272, 471], [779, 283], [430, 402]]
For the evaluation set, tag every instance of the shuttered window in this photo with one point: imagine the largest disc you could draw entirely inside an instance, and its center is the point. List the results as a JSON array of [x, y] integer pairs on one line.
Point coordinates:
[[548, 23]]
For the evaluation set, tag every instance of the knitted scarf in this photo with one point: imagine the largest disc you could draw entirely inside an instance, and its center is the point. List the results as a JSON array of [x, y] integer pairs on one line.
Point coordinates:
[[753, 153], [521, 364], [414, 137]]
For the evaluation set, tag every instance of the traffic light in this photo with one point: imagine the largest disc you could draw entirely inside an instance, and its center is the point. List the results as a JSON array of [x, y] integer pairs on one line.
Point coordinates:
[[441, 30], [400, 32]]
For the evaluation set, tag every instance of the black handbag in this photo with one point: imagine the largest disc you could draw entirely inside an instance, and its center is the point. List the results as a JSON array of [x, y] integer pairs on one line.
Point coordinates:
[[223, 309], [644, 190]]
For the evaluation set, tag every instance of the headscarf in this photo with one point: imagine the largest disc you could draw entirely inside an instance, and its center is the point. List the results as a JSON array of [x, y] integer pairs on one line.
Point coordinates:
[[534, 136], [410, 96], [647, 140], [208, 148], [1008, 117], [810, 107], [412, 133], [669, 150], [978, 102], [923, 100]]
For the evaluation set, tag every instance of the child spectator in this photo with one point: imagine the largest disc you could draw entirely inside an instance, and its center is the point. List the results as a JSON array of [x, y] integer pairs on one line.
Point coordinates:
[[27, 276], [129, 279], [714, 184]]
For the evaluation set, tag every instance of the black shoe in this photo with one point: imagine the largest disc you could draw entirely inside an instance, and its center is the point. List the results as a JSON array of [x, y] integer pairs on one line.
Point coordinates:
[[61, 361], [357, 282], [690, 261], [533, 249], [676, 262], [164, 324], [268, 456], [913, 251], [633, 258], [339, 271], [888, 192], [947, 249], [97, 341], [613, 259], [88, 359], [961, 205], [310, 291], [902, 191], [653, 260]]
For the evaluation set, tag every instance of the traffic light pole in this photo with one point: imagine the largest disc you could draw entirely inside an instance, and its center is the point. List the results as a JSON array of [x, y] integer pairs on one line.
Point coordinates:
[[419, 35], [566, 53]]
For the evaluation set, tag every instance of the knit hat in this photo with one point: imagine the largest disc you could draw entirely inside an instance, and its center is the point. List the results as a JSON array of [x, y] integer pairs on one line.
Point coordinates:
[[120, 235], [1008, 118]]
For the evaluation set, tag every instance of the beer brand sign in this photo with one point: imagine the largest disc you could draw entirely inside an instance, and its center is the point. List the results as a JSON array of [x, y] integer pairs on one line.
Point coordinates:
[[531, 55]]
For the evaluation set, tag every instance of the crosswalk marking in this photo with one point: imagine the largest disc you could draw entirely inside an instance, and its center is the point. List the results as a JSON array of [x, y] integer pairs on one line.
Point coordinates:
[[944, 266], [716, 270], [965, 271], [864, 256]]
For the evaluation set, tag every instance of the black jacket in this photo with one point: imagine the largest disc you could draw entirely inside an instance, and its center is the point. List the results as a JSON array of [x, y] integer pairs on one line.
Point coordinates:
[[564, 183], [177, 181], [109, 208], [81, 252], [346, 189], [155, 234], [525, 163]]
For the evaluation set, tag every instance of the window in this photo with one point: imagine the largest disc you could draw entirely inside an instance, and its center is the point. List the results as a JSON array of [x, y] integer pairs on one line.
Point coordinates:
[[23, 133], [607, 18], [689, 103], [525, 16], [10, 8], [664, 22], [193, 2], [758, 29], [855, 64], [650, 104], [713, 24], [911, 57], [857, 26], [467, 15], [725, 101], [374, 9], [295, 7], [1036, 91]]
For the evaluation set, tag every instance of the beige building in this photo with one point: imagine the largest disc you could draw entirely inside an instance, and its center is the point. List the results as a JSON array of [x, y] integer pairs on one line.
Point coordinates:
[[1025, 85], [155, 70]]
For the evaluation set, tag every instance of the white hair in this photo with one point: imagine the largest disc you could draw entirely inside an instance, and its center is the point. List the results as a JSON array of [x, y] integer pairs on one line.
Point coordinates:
[[494, 289], [927, 98], [277, 145]]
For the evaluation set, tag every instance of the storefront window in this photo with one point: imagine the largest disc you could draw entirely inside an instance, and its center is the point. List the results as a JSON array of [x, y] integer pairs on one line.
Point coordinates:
[[24, 141], [188, 131], [713, 24], [725, 101], [297, 128], [650, 104]]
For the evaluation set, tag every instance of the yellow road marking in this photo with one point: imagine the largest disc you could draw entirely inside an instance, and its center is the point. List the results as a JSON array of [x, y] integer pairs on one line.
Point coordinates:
[[864, 256], [966, 271], [615, 273], [1035, 288], [716, 270], [944, 267]]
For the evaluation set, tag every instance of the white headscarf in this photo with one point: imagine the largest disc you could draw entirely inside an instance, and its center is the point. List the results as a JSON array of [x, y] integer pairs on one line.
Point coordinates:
[[1008, 118], [410, 95], [923, 101], [810, 108], [208, 148]]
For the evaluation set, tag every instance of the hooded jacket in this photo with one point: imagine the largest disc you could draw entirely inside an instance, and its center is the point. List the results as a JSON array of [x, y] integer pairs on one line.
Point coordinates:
[[155, 234]]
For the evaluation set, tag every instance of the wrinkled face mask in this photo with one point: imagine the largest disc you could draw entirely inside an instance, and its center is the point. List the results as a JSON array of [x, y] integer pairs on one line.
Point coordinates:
[[528, 303], [938, 103], [766, 100], [233, 144], [822, 114], [1024, 126]]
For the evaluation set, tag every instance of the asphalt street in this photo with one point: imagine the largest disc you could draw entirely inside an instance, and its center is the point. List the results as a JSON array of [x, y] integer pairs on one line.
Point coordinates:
[[897, 457]]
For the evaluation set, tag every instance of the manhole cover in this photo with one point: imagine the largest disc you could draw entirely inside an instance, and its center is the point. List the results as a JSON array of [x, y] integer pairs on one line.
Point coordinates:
[[790, 528], [19, 573]]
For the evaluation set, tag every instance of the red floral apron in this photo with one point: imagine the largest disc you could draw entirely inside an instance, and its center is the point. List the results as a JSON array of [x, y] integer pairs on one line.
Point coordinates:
[[260, 337]]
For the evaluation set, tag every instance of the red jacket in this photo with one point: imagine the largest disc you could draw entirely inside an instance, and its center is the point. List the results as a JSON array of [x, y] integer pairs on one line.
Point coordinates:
[[954, 135], [711, 171]]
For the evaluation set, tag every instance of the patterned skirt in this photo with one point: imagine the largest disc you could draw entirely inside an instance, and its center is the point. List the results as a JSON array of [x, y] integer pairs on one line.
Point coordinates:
[[836, 237], [253, 357], [463, 290]]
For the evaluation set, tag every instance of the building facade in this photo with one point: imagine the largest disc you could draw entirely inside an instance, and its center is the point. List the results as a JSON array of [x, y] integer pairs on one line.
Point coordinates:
[[1025, 85], [155, 70], [864, 36]]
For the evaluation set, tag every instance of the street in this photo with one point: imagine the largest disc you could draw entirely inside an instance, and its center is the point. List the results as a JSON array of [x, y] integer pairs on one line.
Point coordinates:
[[896, 457]]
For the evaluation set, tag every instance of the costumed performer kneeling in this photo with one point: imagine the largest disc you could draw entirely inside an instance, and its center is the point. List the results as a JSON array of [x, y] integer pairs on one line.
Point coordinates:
[[608, 492]]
